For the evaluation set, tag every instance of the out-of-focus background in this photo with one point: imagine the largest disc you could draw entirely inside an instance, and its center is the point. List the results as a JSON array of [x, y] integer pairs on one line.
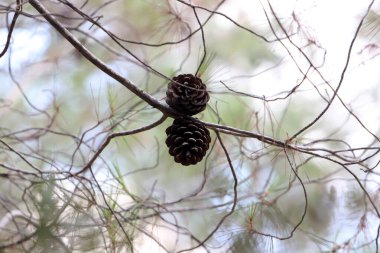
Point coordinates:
[[271, 67]]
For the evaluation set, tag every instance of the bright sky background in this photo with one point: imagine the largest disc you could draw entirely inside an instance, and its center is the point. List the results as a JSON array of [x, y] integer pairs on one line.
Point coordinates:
[[331, 22]]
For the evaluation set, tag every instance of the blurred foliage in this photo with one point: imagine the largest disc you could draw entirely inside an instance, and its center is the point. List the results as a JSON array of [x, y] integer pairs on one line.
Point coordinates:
[[57, 109]]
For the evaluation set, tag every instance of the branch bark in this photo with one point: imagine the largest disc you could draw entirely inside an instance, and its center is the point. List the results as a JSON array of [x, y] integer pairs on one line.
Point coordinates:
[[164, 108]]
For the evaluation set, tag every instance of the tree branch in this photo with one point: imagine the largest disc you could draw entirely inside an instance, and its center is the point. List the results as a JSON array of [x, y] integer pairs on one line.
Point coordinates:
[[99, 63], [114, 135]]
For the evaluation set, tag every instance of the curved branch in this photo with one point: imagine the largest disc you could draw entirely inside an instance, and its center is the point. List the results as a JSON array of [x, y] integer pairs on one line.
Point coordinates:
[[99, 63], [335, 92], [234, 203], [11, 28], [114, 135]]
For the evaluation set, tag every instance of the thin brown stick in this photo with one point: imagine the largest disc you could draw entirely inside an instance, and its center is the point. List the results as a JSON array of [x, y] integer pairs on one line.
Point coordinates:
[[119, 134], [234, 199]]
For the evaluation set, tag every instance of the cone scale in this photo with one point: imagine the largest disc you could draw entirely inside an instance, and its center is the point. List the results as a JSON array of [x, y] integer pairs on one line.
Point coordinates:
[[187, 94], [188, 141]]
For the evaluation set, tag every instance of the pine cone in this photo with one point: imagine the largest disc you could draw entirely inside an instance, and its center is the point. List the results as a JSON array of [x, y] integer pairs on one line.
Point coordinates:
[[187, 94], [187, 141]]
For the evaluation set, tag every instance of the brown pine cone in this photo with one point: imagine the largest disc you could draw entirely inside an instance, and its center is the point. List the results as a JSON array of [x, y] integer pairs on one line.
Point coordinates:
[[187, 141], [187, 94]]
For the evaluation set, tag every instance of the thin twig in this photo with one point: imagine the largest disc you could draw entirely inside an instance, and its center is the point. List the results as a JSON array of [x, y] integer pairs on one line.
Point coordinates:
[[119, 134], [99, 63], [11, 27], [203, 42], [234, 199]]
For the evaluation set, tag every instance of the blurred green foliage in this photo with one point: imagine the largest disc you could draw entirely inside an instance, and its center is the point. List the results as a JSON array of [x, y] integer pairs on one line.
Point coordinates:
[[73, 106]]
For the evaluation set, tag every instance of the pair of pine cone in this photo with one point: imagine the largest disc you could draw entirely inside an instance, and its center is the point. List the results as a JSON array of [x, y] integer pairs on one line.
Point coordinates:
[[187, 139]]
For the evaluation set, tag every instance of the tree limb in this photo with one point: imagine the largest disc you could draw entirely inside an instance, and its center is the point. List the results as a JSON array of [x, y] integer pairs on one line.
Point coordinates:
[[99, 63]]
